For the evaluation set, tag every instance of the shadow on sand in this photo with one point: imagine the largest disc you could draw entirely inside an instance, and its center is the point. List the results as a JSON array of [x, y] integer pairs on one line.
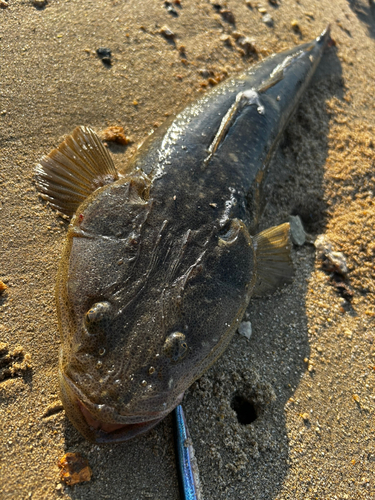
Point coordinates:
[[365, 11]]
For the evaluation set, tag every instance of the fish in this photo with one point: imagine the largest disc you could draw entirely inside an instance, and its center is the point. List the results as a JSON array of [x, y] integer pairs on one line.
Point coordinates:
[[162, 258]]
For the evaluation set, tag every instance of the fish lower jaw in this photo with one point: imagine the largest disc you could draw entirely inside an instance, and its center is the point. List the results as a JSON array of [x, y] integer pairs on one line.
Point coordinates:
[[108, 428], [111, 428]]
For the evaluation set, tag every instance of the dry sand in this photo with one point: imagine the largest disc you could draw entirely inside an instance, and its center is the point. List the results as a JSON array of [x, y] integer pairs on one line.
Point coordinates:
[[309, 368]]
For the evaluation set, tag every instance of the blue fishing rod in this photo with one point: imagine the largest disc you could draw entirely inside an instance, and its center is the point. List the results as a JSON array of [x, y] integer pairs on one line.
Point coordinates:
[[188, 474]]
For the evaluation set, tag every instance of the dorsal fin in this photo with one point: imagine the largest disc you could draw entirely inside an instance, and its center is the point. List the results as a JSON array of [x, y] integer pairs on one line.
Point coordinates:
[[74, 170]]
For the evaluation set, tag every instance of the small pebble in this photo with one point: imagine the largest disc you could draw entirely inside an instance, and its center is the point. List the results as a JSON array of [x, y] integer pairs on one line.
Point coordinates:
[[3, 4], [227, 40], [105, 55], [295, 26], [39, 3], [167, 33], [268, 20], [170, 9], [297, 233], [205, 73], [237, 34], [245, 329], [227, 15], [247, 44], [213, 81], [104, 52]]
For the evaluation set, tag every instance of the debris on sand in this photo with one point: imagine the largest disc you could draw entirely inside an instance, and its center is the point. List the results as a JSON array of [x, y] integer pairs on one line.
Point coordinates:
[[39, 4], [13, 363], [332, 262], [74, 469], [115, 134]]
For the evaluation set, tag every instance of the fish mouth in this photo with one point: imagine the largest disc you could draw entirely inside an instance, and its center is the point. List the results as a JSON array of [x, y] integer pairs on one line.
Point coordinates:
[[115, 432], [112, 428]]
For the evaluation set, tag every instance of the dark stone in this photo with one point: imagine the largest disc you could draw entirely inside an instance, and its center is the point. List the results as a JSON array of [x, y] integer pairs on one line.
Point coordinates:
[[103, 52]]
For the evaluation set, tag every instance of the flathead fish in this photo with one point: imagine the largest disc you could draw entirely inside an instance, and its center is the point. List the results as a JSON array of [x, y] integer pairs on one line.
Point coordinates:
[[161, 260]]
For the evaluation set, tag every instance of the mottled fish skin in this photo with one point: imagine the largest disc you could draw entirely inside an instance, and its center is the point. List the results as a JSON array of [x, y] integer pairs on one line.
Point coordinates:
[[159, 266]]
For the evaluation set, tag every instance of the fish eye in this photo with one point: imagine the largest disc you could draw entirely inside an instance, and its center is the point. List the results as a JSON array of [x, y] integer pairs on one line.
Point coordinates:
[[97, 313], [175, 347]]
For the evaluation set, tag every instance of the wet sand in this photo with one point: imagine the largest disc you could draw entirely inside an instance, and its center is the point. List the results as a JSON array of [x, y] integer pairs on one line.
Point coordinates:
[[308, 370]]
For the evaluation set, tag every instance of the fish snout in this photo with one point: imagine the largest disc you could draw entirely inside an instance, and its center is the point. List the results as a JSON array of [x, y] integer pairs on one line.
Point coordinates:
[[100, 423]]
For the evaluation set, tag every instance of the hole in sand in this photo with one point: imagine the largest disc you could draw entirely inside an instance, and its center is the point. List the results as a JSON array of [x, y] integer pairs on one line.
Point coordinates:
[[245, 409]]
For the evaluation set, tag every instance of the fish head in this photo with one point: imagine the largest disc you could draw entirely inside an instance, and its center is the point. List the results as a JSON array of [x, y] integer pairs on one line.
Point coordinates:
[[140, 319]]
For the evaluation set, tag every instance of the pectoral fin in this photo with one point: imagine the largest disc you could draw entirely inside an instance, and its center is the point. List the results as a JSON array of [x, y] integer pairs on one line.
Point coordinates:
[[70, 173], [273, 258]]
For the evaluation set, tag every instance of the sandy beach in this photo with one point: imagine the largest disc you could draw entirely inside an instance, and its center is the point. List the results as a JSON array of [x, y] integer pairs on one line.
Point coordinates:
[[308, 370]]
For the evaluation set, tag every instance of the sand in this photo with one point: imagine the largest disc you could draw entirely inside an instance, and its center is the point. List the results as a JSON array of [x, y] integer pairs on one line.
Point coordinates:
[[308, 370]]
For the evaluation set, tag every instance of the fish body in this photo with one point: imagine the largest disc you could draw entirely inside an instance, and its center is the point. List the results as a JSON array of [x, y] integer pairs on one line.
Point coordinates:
[[160, 262]]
